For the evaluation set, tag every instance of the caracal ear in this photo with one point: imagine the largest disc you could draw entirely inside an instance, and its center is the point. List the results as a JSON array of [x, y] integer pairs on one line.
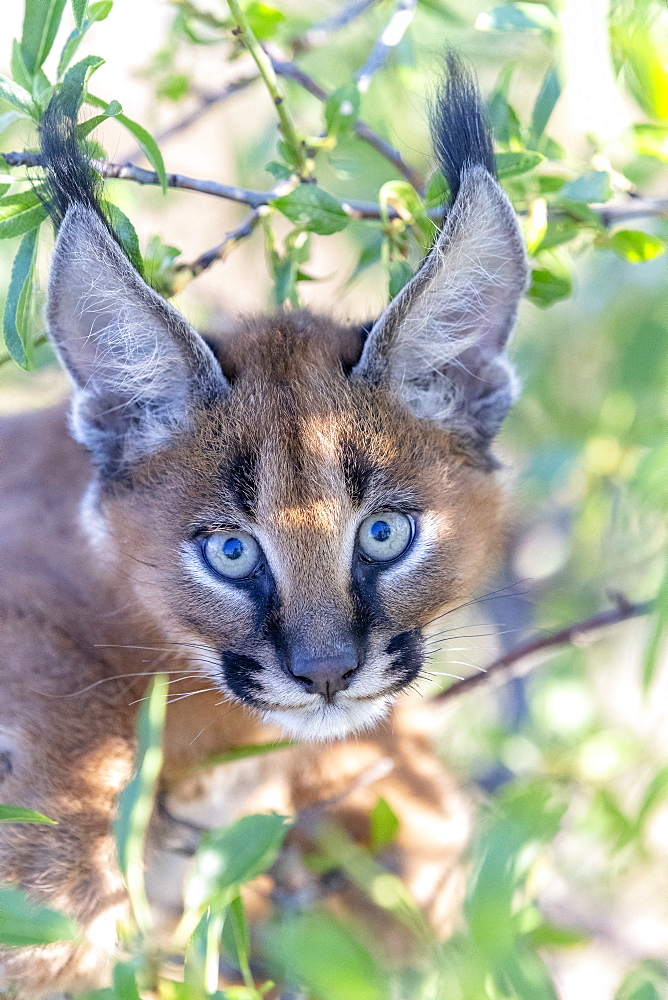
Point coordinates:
[[440, 343], [137, 366]]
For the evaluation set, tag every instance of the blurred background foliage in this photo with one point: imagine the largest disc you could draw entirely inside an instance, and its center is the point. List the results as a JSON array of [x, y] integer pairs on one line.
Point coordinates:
[[568, 766]]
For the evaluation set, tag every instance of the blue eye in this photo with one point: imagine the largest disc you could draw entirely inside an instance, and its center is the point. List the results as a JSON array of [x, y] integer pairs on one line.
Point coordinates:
[[231, 553], [385, 535]]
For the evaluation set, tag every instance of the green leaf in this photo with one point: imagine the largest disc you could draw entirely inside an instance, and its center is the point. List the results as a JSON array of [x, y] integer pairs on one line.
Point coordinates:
[[247, 750], [148, 146], [342, 109], [17, 814], [135, 803], [655, 793], [85, 128], [96, 12], [652, 140], [648, 980], [589, 187], [658, 630], [313, 209], [79, 11], [400, 273], [127, 236], [7, 119], [384, 825], [636, 246], [232, 855], [41, 21], [317, 953], [548, 95], [518, 17], [279, 171], [17, 96], [77, 77], [23, 922], [548, 286], [515, 163], [125, 982], [263, 19], [17, 314], [18, 67], [437, 193], [407, 203], [20, 213]]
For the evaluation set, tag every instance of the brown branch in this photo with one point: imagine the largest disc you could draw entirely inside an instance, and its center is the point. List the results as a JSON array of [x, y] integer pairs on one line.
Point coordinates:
[[526, 656], [393, 32], [610, 214], [220, 252]]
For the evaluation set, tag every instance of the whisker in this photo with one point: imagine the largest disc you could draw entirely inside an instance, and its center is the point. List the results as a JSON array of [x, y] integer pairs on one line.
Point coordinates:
[[178, 697], [490, 596], [114, 677]]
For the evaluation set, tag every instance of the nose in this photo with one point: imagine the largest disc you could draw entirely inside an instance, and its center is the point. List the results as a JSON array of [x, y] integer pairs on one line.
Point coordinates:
[[325, 674]]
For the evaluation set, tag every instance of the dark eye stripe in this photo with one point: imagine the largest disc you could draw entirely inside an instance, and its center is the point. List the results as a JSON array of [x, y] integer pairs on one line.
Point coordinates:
[[242, 476]]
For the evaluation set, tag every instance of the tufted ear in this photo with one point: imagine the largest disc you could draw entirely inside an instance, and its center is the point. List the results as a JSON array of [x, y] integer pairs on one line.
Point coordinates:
[[441, 341], [137, 366]]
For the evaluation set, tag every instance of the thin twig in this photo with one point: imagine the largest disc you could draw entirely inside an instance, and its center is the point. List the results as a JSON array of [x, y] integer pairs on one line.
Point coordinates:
[[293, 142], [521, 659], [610, 214], [287, 69], [393, 32], [207, 101], [221, 251]]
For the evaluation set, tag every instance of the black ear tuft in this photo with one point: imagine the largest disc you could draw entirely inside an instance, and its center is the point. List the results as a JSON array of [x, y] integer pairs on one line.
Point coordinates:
[[70, 177], [460, 133]]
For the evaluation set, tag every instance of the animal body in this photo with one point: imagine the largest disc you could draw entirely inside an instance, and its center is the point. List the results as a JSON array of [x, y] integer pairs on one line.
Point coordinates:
[[274, 516]]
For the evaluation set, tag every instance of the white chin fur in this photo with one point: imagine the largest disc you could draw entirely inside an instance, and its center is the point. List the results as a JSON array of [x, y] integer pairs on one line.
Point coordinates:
[[320, 722]]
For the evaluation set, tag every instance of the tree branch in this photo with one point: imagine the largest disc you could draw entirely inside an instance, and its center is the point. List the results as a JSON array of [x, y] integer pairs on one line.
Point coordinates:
[[293, 141], [220, 252], [394, 31], [610, 214], [523, 658]]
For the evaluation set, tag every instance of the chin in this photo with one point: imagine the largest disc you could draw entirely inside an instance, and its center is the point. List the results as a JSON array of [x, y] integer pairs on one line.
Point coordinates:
[[321, 723]]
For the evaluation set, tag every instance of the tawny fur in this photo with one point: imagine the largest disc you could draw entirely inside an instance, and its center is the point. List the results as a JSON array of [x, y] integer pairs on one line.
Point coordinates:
[[72, 602]]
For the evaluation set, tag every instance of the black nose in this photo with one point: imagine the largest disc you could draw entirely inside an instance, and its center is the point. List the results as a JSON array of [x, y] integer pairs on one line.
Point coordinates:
[[327, 674]]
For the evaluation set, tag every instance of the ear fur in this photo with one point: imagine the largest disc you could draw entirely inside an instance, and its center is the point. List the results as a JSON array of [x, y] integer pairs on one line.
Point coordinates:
[[137, 366], [440, 342]]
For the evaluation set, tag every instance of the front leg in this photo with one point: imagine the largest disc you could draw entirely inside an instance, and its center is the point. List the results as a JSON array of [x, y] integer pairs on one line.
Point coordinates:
[[67, 756]]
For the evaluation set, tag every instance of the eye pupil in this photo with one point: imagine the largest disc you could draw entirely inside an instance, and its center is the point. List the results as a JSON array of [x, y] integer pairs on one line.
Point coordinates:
[[233, 548], [380, 531]]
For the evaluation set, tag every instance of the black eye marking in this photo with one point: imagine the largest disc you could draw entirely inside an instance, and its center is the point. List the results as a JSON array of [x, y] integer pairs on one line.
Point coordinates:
[[406, 650], [357, 470], [241, 675], [241, 475]]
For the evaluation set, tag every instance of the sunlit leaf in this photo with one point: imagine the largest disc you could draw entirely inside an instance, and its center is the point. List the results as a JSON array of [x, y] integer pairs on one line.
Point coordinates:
[[16, 95], [17, 814], [515, 163], [530, 17], [40, 24], [125, 982], [127, 236], [16, 326], [636, 246], [233, 855], [590, 187], [135, 803], [317, 952], [23, 922], [652, 140], [96, 12], [549, 286], [311, 208], [384, 825], [548, 95], [342, 109]]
